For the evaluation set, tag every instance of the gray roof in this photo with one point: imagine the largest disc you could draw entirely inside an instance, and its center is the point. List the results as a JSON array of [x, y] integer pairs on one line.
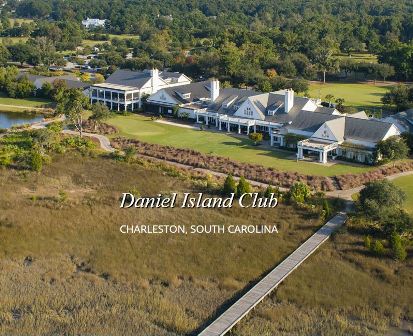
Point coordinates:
[[137, 78], [310, 121], [365, 129], [354, 128], [238, 96], [403, 120], [129, 78], [70, 80], [198, 91], [324, 109]]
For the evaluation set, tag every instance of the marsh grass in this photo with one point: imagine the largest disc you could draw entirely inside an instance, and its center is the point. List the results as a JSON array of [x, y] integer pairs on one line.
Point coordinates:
[[66, 269]]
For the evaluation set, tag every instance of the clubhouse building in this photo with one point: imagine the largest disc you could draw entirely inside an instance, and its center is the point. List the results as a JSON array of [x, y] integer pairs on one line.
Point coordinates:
[[124, 89], [287, 121]]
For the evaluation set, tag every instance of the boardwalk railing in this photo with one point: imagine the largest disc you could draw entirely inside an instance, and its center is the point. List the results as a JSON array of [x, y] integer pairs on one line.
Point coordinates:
[[256, 294]]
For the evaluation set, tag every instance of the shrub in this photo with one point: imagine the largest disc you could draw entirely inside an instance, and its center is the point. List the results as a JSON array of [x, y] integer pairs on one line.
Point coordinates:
[[299, 192], [243, 187], [271, 190], [398, 250], [36, 161], [256, 137], [326, 208], [377, 248], [224, 165], [229, 186], [367, 242], [130, 153], [379, 196]]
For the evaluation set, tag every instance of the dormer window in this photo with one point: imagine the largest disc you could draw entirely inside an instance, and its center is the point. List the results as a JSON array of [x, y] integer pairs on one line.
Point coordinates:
[[186, 95]]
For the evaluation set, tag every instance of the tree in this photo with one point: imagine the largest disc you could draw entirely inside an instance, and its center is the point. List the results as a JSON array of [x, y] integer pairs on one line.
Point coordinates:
[[100, 113], [4, 55], [384, 70], [229, 186], [270, 190], [256, 137], [299, 192], [323, 57], [399, 96], [265, 86], [72, 104], [85, 77], [398, 250], [21, 52], [392, 149], [99, 78], [377, 248], [45, 91], [329, 98], [36, 161], [340, 104], [379, 196], [243, 187], [408, 139]]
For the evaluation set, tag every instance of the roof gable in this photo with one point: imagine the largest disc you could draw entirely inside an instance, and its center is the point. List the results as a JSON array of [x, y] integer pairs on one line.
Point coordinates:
[[332, 130]]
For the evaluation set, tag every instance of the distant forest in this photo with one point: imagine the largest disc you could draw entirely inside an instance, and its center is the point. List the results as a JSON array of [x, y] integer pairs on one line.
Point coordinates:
[[244, 41]]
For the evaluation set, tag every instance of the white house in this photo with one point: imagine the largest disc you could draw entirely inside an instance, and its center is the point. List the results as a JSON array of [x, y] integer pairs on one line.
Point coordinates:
[[124, 89], [93, 23], [286, 120]]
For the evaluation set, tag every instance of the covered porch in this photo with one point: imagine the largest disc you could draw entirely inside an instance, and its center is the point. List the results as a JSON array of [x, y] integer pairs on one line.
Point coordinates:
[[230, 124], [316, 146]]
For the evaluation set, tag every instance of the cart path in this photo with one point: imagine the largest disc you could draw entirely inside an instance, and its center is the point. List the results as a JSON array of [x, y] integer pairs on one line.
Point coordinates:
[[263, 288]]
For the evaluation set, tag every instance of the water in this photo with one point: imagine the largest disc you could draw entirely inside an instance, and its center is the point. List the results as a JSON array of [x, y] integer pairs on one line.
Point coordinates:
[[9, 119]]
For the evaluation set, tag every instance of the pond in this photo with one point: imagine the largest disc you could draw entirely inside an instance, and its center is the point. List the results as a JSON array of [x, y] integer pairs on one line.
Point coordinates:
[[9, 119]]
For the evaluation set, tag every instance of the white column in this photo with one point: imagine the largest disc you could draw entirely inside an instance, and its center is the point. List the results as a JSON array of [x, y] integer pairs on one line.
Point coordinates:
[[324, 157], [321, 159], [228, 127], [248, 129], [216, 122], [239, 129], [272, 139], [300, 153], [255, 128], [220, 125], [206, 120], [197, 118]]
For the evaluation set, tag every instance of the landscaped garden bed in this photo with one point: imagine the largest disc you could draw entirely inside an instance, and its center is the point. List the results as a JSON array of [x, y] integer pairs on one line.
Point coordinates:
[[257, 172]]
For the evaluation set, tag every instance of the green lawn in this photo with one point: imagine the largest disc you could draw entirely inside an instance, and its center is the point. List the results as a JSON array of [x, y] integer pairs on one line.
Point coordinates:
[[406, 184], [12, 40], [92, 43], [27, 102], [143, 128], [358, 57], [359, 95]]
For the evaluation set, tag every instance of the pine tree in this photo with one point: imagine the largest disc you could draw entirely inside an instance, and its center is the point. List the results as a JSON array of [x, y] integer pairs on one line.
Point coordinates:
[[229, 186], [243, 187], [398, 250]]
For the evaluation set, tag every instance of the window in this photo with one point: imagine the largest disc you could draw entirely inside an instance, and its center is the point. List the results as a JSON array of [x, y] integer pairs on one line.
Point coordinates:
[[248, 111]]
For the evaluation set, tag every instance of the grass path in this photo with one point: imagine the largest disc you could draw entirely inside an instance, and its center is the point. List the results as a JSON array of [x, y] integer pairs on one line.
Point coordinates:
[[222, 144]]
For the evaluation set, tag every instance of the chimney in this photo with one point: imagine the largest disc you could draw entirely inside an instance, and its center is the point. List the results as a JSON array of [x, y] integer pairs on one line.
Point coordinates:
[[214, 89], [288, 100], [154, 79]]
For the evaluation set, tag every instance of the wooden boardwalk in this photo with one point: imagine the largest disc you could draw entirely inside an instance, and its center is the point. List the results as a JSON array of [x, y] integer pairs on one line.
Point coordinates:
[[256, 294]]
